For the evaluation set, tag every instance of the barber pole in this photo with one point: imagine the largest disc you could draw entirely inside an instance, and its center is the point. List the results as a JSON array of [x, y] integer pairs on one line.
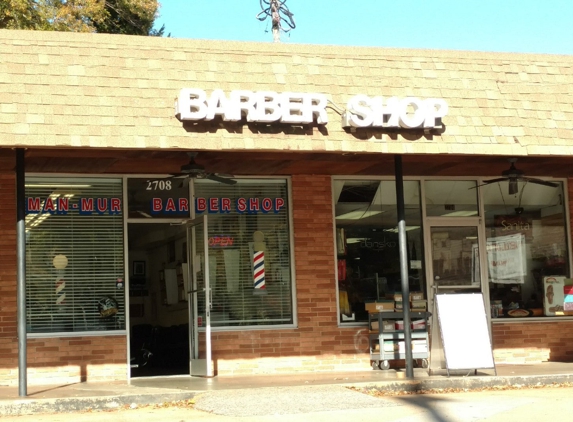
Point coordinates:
[[60, 292], [259, 269]]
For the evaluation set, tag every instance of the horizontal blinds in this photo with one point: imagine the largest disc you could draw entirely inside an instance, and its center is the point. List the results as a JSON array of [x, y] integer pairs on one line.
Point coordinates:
[[74, 255], [233, 243]]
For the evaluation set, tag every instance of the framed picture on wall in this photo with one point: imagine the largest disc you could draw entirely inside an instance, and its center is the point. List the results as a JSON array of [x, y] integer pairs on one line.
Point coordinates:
[[139, 268]]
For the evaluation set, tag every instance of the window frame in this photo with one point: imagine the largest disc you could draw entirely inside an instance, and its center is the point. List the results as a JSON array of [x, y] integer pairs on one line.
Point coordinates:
[[481, 217]]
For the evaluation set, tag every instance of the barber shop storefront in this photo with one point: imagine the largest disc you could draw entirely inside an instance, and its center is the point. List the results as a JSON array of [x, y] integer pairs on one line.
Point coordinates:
[[213, 208]]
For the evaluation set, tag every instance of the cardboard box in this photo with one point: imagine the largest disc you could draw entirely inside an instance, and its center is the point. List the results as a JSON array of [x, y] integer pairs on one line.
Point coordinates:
[[398, 305], [394, 296], [374, 325], [416, 296], [388, 327], [419, 324], [380, 306], [419, 305]]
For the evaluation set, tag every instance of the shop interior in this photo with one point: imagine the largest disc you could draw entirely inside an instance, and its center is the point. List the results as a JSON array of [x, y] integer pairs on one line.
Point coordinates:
[[158, 306]]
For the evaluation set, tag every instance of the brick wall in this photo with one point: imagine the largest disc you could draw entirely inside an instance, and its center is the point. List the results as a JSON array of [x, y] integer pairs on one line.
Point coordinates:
[[533, 342], [8, 323], [318, 344]]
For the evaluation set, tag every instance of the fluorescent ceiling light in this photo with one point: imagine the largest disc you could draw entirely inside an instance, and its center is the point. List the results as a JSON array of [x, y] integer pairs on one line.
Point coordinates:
[[395, 229], [55, 185], [357, 215], [351, 240], [460, 214]]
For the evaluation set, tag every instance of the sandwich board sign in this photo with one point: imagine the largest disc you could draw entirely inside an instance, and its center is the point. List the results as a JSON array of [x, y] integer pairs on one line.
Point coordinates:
[[463, 331]]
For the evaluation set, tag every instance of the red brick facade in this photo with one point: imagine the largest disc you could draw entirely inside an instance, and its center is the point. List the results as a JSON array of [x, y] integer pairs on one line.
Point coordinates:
[[317, 344]]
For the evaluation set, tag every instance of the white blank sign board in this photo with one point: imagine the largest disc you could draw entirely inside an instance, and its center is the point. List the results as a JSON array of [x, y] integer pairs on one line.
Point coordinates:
[[464, 331]]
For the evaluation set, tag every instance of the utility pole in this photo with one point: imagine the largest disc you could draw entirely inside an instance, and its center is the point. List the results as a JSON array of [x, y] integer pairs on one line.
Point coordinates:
[[280, 16]]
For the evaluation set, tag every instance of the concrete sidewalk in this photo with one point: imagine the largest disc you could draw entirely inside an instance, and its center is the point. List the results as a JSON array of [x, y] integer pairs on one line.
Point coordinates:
[[97, 396]]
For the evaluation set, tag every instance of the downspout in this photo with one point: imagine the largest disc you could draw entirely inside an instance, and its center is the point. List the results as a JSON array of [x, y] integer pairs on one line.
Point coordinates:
[[21, 271]]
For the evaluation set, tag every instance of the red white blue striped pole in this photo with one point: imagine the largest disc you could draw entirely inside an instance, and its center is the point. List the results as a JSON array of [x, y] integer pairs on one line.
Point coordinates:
[[259, 263], [259, 269]]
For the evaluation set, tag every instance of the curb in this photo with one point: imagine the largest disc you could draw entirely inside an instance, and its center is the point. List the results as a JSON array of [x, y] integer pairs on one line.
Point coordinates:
[[467, 383], [78, 404]]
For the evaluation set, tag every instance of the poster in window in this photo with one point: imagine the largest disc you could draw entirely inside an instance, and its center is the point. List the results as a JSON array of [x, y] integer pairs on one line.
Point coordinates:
[[506, 259]]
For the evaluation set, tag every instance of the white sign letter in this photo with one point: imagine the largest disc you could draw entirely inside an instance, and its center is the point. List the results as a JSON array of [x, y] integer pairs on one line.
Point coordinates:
[[190, 104], [436, 108]]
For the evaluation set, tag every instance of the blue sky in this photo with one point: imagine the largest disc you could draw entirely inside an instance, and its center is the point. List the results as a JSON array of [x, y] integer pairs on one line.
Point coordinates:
[[542, 26]]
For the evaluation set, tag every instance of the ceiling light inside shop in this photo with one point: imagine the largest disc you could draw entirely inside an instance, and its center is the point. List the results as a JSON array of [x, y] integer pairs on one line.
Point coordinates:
[[351, 240], [395, 229], [55, 185], [357, 215], [460, 214]]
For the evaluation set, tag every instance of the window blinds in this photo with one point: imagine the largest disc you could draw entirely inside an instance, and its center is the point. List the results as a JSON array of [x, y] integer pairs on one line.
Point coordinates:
[[74, 255], [243, 219]]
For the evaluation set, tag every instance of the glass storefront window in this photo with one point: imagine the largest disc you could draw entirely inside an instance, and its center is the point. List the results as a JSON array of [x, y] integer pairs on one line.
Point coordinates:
[[451, 198], [367, 243], [526, 249], [158, 198], [74, 255], [249, 288]]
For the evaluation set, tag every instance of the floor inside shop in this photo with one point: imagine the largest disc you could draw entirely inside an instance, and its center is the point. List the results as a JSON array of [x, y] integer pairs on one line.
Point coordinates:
[[158, 309]]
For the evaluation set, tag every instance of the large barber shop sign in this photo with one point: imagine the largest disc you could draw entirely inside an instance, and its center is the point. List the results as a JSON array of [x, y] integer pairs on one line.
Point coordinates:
[[194, 104]]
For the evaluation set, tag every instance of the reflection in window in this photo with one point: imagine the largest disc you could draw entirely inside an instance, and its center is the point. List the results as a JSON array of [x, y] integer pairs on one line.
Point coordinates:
[[527, 249], [367, 243]]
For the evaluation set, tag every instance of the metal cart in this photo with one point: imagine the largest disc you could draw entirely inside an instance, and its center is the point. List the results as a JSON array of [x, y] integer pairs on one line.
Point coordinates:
[[388, 338]]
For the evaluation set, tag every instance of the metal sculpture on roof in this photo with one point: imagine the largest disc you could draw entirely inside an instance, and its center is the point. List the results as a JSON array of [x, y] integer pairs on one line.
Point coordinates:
[[280, 16]]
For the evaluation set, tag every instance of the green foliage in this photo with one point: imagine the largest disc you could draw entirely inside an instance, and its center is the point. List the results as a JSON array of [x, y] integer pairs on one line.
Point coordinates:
[[131, 17]]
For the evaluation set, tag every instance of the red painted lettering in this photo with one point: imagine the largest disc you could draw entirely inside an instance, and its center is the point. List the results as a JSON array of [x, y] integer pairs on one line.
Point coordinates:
[[241, 205], [101, 205], [156, 205], [115, 205], [33, 205], [225, 205], [200, 205], [87, 205], [49, 205], [213, 204], [266, 204], [279, 203], [170, 205], [183, 205], [253, 204], [63, 205]]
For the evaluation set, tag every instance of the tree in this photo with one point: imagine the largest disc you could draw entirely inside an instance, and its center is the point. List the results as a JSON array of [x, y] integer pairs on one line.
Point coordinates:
[[131, 17]]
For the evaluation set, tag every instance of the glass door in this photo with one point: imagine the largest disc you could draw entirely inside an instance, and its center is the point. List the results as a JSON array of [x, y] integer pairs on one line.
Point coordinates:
[[455, 259], [454, 266], [199, 290]]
